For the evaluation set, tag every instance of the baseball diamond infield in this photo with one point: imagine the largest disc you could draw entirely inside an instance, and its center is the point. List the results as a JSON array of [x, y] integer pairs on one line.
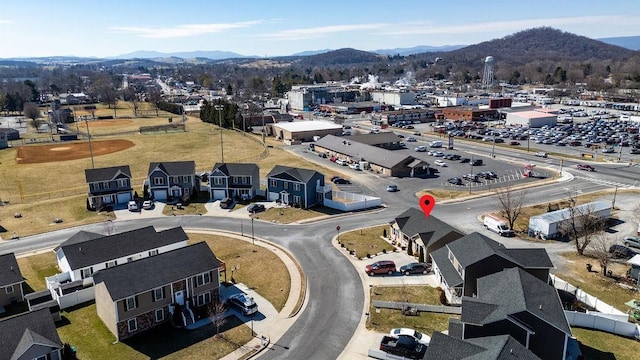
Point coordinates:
[[69, 151]]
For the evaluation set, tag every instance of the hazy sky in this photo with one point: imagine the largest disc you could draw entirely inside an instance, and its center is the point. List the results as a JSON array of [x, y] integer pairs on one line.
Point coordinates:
[[272, 27]]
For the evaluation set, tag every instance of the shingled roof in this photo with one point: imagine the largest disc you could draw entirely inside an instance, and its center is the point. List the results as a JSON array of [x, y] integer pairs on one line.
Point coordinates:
[[106, 174], [174, 167], [235, 169], [33, 330], [430, 229], [9, 270], [135, 277], [501, 347], [292, 174]]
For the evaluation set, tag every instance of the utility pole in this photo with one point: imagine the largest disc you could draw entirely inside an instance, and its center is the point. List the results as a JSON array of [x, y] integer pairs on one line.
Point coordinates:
[[86, 121], [220, 107]]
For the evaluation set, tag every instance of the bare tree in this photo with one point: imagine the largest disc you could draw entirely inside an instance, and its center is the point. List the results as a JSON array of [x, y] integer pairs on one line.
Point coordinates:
[[30, 111], [510, 204], [581, 225], [599, 248], [154, 96], [216, 312]]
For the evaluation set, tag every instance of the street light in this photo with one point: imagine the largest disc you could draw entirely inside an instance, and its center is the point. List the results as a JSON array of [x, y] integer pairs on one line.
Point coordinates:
[[253, 239], [220, 108]]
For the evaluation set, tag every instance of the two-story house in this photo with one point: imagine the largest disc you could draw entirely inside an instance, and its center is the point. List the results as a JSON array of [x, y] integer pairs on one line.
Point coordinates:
[[297, 187], [30, 335], [140, 295], [458, 264], [423, 234], [171, 180], [10, 281], [108, 186], [234, 180], [515, 303]]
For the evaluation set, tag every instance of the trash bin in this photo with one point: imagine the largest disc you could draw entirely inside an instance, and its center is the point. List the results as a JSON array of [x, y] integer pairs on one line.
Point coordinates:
[[589, 267]]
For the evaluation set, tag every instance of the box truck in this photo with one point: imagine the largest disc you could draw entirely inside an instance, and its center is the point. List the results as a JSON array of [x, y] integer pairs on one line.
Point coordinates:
[[497, 225]]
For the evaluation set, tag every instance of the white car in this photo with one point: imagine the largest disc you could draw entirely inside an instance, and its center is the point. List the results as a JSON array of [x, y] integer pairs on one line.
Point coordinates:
[[438, 154], [421, 148], [440, 163], [420, 337], [341, 162], [411, 139], [132, 206], [147, 205], [354, 166]]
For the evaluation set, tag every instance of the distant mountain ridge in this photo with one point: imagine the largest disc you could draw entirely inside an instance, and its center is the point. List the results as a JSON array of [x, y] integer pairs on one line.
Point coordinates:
[[628, 42], [418, 49], [213, 55]]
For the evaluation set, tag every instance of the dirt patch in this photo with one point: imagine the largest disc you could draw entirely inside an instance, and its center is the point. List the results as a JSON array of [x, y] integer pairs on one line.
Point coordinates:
[[70, 151], [104, 123]]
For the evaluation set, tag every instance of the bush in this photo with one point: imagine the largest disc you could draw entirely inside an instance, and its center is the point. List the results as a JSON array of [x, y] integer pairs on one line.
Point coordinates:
[[170, 107], [384, 233]]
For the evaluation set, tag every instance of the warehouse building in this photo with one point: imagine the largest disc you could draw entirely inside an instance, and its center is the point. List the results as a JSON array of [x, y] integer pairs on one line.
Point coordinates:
[[469, 114], [551, 225], [531, 119], [299, 131]]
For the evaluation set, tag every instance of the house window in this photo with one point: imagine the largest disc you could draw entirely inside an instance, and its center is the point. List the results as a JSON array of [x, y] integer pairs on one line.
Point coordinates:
[[158, 181], [153, 252], [158, 294], [43, 357], [85, 273], [203, 279], [218, 181], [459, 269], [132, 303], [273, 183], [104, 185], [133, 258], [111, 264], [297, 199], [236, 179], [159, 315], [285, 185], [132, 324], [204, 298], [9, 289], [245, 179], [123, 183], [451, 256], [296, 187]]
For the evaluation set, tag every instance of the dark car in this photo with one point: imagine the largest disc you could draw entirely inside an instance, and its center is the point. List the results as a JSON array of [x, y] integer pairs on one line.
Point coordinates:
[[455, 181], [381, 267], [621, 252], [341, 181], [470, 177], [392, 188], [476, 162], [465, 160], [243, 303], [585, 167], [415, 268], [226, 203], [255, 208]]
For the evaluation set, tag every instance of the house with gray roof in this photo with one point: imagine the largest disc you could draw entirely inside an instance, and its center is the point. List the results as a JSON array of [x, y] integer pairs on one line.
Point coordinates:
[[171, 180], [108, 186], [424, 234], [513, 302], [303, 188], [234, 180], [30, 335], [10, 281], [379, 160], [458, 264], [500, 347], [137, 296]]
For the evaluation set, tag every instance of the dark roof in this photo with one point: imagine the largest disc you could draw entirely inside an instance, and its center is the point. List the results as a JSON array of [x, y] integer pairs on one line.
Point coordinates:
[[174, 167], [98, 250], [530, 258], [501, 347], [18, 333], [441, 258], [152, 272], [430, 229], [9, 270], [511, 292], [376, 139], [8, 130], [235, 169], [80, 237], [106, 174], [291, 173]]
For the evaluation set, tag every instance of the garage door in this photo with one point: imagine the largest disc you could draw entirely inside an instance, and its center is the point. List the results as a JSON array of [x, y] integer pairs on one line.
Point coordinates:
[[218, 194], [124, 198], [160, 195]]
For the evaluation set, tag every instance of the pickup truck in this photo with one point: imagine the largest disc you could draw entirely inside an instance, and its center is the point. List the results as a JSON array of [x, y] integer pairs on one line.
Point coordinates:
[[403, 345]]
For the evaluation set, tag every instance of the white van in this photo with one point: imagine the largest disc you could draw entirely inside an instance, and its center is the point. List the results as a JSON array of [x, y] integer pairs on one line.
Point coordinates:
[[436, 144], [497, 225]]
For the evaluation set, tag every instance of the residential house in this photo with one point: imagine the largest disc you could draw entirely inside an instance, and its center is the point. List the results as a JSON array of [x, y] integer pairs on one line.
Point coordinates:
[[424, 234], [516, 303], [298, 187], [458, 264], [10, 281], [4, 142], [140, 295], [501, 347], [171, 180], [108, 186], [30, 335], [234, 180]]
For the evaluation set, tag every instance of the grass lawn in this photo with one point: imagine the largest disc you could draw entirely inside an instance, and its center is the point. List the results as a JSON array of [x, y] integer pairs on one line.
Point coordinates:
[[383, 320], [289, 214], [366, 241], [36, 267], [444, 194], [598, 345], [194, 208]]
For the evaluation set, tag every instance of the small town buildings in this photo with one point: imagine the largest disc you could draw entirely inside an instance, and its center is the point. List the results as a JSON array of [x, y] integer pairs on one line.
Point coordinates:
[[304, 97], [469, 114], [350, 107], [137, 296], [30, 335], [531, 119], [11, 281], [234, 180], [395, 97], [300, 131], [303, 188], [410, 115], [553, 224], [108, 186], [171, 180], [11, 134]]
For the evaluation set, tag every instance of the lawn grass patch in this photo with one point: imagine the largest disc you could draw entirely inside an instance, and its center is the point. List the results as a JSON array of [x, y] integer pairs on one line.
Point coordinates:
[[598, 345], [383, 320], [366, 241], [286, 215], [444, 194], [36, 267], [194, 208]]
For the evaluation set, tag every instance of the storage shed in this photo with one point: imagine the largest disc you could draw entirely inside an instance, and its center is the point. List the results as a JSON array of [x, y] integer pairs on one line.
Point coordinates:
[[549, 225]]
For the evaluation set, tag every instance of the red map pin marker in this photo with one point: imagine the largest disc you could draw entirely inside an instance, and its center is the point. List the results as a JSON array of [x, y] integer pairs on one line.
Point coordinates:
[[427, 202]]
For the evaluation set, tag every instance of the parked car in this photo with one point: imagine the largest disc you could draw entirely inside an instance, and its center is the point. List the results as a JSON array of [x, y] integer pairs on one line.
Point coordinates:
[[226, 203], [514, 143], [455, 181], [470, 177], [148, 204], [420, 337], [243, 303], [341, 181], [411, 139], [341, 162], [381, 267], [392, 188], [621, 252], [438, 154], [633, 241], [333, 159], [132, 206], [585, 167], [421, 148], [415, 268], [634, 151], [403, 345], [476, 162], [334, 177], [465, 160], [255, 208], [354, 166], [322, 155], [541, 154], [440, 163]]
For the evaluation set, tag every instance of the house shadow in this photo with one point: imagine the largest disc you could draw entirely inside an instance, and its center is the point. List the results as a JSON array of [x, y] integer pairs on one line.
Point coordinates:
[[595, 354], [165, 339]]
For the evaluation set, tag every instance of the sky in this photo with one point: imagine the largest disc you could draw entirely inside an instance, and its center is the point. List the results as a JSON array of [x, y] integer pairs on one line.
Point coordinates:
[[110, 28]]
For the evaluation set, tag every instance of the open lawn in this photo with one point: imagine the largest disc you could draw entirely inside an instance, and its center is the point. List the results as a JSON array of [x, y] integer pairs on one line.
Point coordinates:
[[443, 194], [383, 320], [35, 268], [286, 215], [366, 241], [597, 345]]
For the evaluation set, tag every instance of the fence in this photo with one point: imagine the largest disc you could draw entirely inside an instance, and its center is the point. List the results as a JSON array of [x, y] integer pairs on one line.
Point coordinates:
[[442, 309], [582, 296], [351, 201], [599, 322]]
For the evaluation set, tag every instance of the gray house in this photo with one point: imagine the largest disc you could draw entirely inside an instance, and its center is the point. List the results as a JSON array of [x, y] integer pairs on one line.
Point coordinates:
[[234, 180], [108, 186], [30, 335], [501, 347], [10, 281], [171, 180], [294, 186]]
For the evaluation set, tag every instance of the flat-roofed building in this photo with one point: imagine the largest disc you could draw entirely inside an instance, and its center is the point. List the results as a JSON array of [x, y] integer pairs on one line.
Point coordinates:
[[298, 131]]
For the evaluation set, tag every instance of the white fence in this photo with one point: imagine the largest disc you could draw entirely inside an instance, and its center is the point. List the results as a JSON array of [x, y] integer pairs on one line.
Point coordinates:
[[350, 201], [603, 323], [590, 300], [76, 297]]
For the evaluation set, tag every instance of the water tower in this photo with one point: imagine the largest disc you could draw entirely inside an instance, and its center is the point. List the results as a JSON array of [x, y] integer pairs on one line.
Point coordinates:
[[487, 77]]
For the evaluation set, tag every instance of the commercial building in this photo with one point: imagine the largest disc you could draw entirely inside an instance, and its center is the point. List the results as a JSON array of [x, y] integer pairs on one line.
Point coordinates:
[[394, 98], [469, 114], [531, 119], [305, 96], [299, 131]]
